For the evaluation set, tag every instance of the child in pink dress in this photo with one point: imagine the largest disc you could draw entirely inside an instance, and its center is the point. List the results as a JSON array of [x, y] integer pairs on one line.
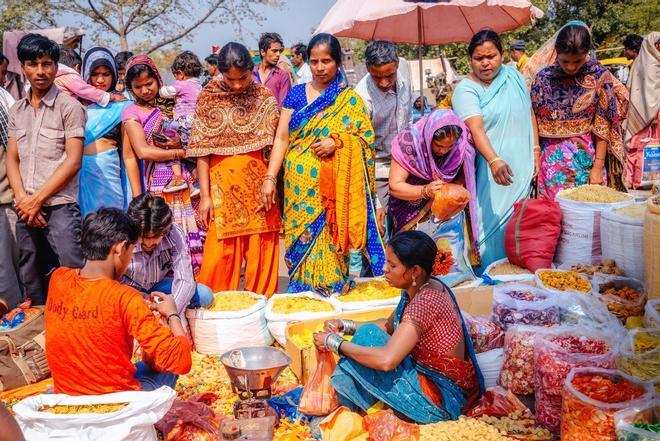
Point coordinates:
[[186, 69]]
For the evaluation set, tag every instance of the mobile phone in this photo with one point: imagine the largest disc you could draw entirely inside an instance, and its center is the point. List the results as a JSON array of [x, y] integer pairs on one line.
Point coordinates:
[[160, 138]]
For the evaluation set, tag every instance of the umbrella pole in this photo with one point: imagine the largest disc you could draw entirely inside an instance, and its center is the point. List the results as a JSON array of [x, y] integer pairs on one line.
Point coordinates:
[[420, 49]]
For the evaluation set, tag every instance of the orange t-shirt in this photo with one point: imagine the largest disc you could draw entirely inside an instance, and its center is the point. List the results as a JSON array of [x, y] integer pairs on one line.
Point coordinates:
[[91, 324]]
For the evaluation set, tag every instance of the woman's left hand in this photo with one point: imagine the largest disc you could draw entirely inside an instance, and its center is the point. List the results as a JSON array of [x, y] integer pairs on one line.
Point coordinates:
[[596, 176], [319, 340], [170, 144], [324, 147]]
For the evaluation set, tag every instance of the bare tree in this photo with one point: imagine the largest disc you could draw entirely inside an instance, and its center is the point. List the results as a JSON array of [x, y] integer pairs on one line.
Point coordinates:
[[161, 22]]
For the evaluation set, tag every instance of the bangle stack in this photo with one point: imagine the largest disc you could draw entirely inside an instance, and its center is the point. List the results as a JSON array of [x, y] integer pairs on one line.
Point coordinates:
[[348, 327], [271, 178], [425, 192], [332, 342]]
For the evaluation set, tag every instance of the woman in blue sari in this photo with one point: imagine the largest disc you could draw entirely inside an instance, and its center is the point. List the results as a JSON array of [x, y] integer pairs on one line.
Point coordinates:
[[103, 181], [420, 361], [494, 102]]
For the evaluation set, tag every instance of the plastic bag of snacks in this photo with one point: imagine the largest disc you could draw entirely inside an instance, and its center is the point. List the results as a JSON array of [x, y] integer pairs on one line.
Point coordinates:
[[639, 355], [581, 208], [367, 294], [284, 308], [562, 281], [623, 296], [587, 310], [652, 314], [639, 423], [555, 354], [94, 417], [449, 200], [190, 420], [591, 398], [517, 374], [504, 271], [524, 305], [497, 402], [221, 327], [318, 396], [385, 426], [484, 333]]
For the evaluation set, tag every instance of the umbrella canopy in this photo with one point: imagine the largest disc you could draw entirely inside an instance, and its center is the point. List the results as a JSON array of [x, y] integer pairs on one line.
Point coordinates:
[[425, 23]]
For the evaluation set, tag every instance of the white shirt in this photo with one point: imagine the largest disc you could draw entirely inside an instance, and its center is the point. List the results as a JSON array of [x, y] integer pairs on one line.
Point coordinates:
[[303, 74]]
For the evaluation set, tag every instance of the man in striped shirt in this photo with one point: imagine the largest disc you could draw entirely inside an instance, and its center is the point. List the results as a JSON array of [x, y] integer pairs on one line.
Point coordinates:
[[161, 262]]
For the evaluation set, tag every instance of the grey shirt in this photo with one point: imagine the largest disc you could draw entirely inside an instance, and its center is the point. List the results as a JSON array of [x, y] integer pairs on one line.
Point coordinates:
[[6, 101], [40, 135]]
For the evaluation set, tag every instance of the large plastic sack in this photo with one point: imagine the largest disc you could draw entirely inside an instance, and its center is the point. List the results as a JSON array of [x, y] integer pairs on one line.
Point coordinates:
[[133, 422], [318, 396], [589, 418], [532, 233], [517, 373], [216, 332], [490, 363], [625, 242], [580, 238], [277, 322], [652, 314], [190, 420], [452, 263], [639, 355], [497, 402], [587, 310], [652, 247], [518, 304], [343, 425], [385, 426], [624, 296], [450, 200], [632, 424]]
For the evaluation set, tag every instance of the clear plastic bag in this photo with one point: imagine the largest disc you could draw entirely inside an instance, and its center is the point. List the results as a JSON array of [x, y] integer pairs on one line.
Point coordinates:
[[589, 419], [385, 426], [639, 355], [517, 374], [628, 421], [484, 333], [498, 402], [652, 314], [524, 305], [555, 354], [318, 396], [623, 296]]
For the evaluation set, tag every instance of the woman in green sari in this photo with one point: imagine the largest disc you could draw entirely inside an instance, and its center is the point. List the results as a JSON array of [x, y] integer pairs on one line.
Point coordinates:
[[324, 142], [495, 105]]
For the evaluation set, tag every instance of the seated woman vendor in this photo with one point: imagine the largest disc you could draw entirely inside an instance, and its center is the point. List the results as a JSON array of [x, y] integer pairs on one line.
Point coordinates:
[[425, 156], [420, 361]]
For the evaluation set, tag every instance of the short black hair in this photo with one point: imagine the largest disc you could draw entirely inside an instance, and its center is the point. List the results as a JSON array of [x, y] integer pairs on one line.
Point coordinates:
[[137, 70], [234, 55], [414, 248], [329, 40], [485, 36], [69, 57], [3, 59], [151, 213], [212, 60], [122, 58], [33, 46], [573, 39], [450, 130], [267, 39], [300, 49], [105, 228], [633, 42], [188, 64], [379, 52]]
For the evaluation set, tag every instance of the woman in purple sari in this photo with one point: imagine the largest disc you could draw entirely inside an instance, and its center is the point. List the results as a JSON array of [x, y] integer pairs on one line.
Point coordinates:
[[430, 153]]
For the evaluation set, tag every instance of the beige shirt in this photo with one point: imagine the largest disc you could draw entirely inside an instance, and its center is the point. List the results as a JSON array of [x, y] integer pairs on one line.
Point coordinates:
[[6, 195], [40, 135]]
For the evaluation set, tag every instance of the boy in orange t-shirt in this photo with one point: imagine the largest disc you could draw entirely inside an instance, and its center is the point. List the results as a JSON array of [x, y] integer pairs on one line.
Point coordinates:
[[92, 320]]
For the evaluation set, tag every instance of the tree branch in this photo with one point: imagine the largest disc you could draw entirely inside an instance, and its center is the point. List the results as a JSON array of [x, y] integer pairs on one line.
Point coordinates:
[[189, 29], [102, 19], [134, 14], [151, 18]]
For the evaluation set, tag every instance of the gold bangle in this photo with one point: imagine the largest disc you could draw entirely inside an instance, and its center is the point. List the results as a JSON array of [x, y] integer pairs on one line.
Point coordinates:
[[271, 178], [494, 160]]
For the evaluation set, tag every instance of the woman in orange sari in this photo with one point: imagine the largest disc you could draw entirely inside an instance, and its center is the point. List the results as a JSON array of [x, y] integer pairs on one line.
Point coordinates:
[[234, 127]]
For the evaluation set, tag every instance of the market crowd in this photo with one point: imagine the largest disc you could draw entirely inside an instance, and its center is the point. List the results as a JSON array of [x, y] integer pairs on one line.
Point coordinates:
[[118, 188]]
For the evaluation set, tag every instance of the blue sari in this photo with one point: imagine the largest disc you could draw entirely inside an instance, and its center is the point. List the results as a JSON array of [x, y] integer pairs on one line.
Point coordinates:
[[361, 387], [505, 107], [103, 181]]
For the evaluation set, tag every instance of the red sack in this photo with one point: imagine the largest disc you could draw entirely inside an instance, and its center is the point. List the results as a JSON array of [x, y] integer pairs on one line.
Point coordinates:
[[318, 396], [532, 233], [385, 426], [450, 200]]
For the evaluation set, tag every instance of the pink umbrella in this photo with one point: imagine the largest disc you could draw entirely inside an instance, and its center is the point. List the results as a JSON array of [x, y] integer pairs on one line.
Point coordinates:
[[426, 22]]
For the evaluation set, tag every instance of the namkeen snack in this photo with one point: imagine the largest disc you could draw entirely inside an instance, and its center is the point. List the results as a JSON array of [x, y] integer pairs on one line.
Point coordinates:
[[639, 355], [607, 266], [594, 193], [484, 333], [635, 211], [464, 429], [368, 291], [524, 306], [507, 269], [83, 408], [518, 425], [294, 304], [232, 301], [589, 404], [564, 280], [623, 302], [517, 374]]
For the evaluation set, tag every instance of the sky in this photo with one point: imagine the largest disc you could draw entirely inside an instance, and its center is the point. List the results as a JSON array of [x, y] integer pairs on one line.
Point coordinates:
[[294, 20]]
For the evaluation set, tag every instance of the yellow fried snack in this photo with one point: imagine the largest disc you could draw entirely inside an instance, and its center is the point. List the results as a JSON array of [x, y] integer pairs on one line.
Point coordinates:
[[306, 338], [232, 301], [83, 408], [594, 193], [564, 280], [464, 429], [292, 305], [368, 291]]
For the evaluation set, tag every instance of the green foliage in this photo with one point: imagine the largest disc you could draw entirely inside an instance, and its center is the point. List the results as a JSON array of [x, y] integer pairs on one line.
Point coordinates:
[[22, 14]]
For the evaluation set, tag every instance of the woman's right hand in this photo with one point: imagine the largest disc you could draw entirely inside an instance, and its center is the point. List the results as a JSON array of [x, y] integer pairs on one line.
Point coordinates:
[[501, 172], [334, 325], [268, 194], [205, 211]]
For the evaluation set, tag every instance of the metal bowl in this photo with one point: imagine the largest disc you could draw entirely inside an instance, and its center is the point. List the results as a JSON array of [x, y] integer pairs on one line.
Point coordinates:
[[255, 368]]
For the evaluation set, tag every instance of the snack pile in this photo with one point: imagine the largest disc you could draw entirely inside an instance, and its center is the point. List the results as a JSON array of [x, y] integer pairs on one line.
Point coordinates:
[[594, 193], [295, 304], [368, 291], [232, 301]]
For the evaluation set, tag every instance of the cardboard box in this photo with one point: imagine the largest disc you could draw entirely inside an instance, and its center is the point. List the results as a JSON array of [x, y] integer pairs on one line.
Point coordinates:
[[476, 301]]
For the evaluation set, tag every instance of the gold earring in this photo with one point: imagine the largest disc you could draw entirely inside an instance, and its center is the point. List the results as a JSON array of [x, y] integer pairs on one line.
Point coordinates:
[[414, 282]]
